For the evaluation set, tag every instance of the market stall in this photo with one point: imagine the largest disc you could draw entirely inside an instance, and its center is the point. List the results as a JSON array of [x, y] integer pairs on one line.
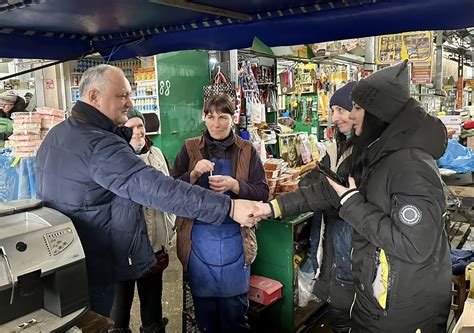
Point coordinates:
[[292, 96]]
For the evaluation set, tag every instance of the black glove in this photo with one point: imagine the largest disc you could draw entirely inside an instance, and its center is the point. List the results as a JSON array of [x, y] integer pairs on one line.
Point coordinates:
[[162, 261]]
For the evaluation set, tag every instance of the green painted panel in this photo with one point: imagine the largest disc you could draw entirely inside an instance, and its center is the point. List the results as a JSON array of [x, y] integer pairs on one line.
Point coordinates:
[[181, 76], [275, 261]]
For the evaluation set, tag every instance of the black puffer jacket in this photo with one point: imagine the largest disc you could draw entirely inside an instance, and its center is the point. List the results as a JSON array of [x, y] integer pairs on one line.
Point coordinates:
[[398, 217]]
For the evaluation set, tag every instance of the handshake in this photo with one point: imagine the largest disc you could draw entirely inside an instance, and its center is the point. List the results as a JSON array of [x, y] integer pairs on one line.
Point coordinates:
[[247, 213]]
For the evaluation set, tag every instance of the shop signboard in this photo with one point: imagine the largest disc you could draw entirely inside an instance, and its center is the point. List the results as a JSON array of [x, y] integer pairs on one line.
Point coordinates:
[[421, 72], [49, 84], [336, 48], [414, 46], [469, 83]]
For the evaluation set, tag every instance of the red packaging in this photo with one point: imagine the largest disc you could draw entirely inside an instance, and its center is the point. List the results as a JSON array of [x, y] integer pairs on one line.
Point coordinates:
[[264, 290]]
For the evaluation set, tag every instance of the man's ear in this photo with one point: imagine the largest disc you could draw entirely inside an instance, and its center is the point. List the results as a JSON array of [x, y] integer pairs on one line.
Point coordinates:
[[93, 97]]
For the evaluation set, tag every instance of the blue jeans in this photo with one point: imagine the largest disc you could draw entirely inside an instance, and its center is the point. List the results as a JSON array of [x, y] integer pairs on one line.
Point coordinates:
[[101, 298], [222, 314]]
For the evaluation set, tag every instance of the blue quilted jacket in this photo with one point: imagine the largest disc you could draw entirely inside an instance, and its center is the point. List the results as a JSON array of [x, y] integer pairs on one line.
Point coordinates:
[[86, 170]]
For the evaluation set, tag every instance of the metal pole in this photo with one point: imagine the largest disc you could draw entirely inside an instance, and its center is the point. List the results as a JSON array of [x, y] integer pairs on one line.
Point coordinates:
[[369, 64], [460, 82], [438, 77]]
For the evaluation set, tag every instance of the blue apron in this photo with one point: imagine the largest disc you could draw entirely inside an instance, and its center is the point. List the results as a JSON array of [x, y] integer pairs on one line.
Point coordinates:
[[216, 263]]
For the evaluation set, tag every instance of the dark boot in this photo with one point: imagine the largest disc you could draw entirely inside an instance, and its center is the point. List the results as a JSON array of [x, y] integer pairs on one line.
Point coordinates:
[[158, 327]]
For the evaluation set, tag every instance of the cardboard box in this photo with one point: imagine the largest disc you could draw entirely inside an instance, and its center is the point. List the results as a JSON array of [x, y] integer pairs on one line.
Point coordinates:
[[462, 191], [459, 179], [457, 128], [451, 120], [470, 142], [465, 324], [264, 290]]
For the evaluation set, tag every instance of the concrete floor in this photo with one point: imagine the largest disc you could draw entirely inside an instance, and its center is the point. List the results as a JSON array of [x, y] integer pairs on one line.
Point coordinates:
[[173, 297]]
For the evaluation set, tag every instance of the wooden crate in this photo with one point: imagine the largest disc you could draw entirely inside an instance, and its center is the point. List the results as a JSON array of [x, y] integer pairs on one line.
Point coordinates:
[[458, 233], [462, 191]]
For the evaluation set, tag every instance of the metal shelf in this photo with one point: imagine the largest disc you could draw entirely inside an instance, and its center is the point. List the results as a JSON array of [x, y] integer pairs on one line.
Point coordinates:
[[145, 82], [145, 96]]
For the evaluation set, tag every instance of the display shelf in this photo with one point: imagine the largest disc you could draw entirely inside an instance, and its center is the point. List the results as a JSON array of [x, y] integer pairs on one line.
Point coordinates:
[[276, 239], [145, 82], [144, 96]]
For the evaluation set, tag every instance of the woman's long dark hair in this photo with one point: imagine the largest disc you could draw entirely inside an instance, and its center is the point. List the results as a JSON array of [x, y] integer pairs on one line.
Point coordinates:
[[372, 128]]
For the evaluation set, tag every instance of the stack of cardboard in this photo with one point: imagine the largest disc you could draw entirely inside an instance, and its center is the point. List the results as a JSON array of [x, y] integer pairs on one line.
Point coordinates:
[[453, 124]]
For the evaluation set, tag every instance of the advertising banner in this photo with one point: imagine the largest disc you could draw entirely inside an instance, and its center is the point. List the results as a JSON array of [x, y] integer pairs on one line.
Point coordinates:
[[414, 46], [421, 72]]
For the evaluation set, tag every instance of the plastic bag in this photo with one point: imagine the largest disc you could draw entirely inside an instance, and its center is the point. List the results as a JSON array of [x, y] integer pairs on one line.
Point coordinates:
[[17, 178], [305, 274], [8, 178], [305, 148], [26, 178], [255, 110], [457, 158]]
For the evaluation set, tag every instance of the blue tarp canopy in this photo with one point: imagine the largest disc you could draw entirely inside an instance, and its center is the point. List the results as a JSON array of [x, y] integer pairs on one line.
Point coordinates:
[[118, 29]]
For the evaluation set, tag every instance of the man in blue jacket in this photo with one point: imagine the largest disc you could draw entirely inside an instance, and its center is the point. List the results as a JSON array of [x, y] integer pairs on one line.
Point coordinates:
[[87, 170]]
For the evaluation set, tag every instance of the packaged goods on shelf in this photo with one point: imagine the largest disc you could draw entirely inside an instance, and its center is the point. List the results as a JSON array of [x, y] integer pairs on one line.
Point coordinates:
[[29, 129], [26, 123], [50, 112], [26, 139], [50, 117], [144, 74], [272, 173], [273, 164], [280, 178]]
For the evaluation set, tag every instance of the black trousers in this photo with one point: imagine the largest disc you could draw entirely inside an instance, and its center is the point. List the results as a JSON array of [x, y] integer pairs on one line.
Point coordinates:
[[150, 289]]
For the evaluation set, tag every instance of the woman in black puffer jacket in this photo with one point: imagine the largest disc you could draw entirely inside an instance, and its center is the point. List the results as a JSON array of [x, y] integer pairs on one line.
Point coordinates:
[[395, 203]]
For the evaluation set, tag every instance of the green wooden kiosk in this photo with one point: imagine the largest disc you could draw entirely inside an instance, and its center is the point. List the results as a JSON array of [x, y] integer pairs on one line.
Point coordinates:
[[275, 260]]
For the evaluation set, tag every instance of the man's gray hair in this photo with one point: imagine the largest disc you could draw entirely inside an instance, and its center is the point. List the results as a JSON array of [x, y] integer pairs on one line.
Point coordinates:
[[95, 76]]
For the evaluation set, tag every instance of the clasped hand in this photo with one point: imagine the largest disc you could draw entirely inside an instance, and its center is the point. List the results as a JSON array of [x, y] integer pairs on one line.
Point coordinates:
[[248, 213]]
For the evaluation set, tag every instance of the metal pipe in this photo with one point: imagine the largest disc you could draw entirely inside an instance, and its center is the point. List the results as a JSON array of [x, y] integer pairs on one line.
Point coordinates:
[[438, 77], [75, 57]]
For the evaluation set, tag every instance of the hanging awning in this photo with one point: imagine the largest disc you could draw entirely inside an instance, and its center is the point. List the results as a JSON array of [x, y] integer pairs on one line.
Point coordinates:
[[118, 29]]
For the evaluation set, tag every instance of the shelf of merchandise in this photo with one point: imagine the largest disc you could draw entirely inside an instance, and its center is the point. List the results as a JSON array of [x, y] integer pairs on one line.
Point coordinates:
[[73, 78], [144, 96], [275, 260], [145, 82]]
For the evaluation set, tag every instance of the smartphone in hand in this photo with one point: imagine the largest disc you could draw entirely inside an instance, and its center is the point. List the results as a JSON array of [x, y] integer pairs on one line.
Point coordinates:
[[326, 171]]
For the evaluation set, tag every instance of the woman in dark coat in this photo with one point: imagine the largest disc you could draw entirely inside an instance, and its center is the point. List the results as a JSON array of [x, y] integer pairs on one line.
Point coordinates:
[[395, 202]]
